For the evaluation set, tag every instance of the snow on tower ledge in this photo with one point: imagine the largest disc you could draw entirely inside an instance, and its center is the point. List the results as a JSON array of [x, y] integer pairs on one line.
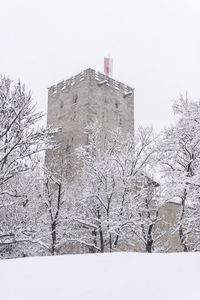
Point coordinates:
[[91, 74]]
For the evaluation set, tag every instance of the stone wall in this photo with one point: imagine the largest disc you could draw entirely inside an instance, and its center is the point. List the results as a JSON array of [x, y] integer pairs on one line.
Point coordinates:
[[73, 103]]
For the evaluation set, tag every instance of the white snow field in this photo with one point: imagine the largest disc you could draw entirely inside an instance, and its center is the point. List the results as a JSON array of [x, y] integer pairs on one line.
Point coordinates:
[[113, 276]]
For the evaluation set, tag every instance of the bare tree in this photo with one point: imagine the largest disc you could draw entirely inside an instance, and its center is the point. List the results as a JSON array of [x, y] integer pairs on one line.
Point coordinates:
[[54, 215], [179, 158], [21, 141], [108, 212]]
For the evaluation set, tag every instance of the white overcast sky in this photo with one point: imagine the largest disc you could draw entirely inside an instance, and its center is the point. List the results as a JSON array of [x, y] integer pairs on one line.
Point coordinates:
[[155, 45]]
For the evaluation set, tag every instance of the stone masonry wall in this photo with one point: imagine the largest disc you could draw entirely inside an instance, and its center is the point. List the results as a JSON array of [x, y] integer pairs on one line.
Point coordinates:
[[73, 103]]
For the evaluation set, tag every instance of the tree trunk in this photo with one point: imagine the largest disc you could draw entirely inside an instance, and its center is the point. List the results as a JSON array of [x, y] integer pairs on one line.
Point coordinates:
[[183, 239], [53, 235], [149, 245], [100, 232], [101, 241], [93, 249], [181, 232], [110, 242]]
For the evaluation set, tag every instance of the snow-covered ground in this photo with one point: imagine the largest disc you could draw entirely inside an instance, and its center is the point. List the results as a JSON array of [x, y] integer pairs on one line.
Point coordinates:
[[114, 276]]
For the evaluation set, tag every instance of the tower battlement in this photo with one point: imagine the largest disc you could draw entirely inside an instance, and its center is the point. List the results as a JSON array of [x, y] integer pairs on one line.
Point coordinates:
[[91, 75]]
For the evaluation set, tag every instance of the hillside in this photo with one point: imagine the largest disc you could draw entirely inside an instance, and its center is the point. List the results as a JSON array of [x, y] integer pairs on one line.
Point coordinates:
[[102, 276]]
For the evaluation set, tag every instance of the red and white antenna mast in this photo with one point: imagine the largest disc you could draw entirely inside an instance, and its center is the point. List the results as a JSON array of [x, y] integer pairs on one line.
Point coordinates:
[[108, 66]]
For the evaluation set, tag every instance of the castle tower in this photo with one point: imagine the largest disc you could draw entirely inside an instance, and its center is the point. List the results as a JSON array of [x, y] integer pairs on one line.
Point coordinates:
[[86, 97]]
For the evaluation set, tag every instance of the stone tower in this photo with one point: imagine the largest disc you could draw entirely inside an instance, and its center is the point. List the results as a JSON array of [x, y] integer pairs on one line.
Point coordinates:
[[86, 97]]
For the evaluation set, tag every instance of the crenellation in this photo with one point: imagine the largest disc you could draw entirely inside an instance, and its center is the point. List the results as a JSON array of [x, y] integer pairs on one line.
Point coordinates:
[[126, 89], [54, 89], [73, 81], [63, 85], [92, 75], [116, 85], [98, 76], [67, 83], [82, 76]]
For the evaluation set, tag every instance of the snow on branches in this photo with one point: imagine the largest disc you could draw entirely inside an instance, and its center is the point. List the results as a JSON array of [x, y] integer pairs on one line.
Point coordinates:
[[117, 204], [21, 140], [180, 166]]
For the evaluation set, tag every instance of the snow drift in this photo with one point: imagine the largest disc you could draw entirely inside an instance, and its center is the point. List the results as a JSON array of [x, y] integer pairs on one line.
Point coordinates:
[[102, 276]]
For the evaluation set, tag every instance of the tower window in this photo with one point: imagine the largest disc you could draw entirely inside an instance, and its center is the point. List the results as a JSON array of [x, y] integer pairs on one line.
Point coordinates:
[[74, 116], [75, 98], [67, 149], [116, 105], [120, 121]]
